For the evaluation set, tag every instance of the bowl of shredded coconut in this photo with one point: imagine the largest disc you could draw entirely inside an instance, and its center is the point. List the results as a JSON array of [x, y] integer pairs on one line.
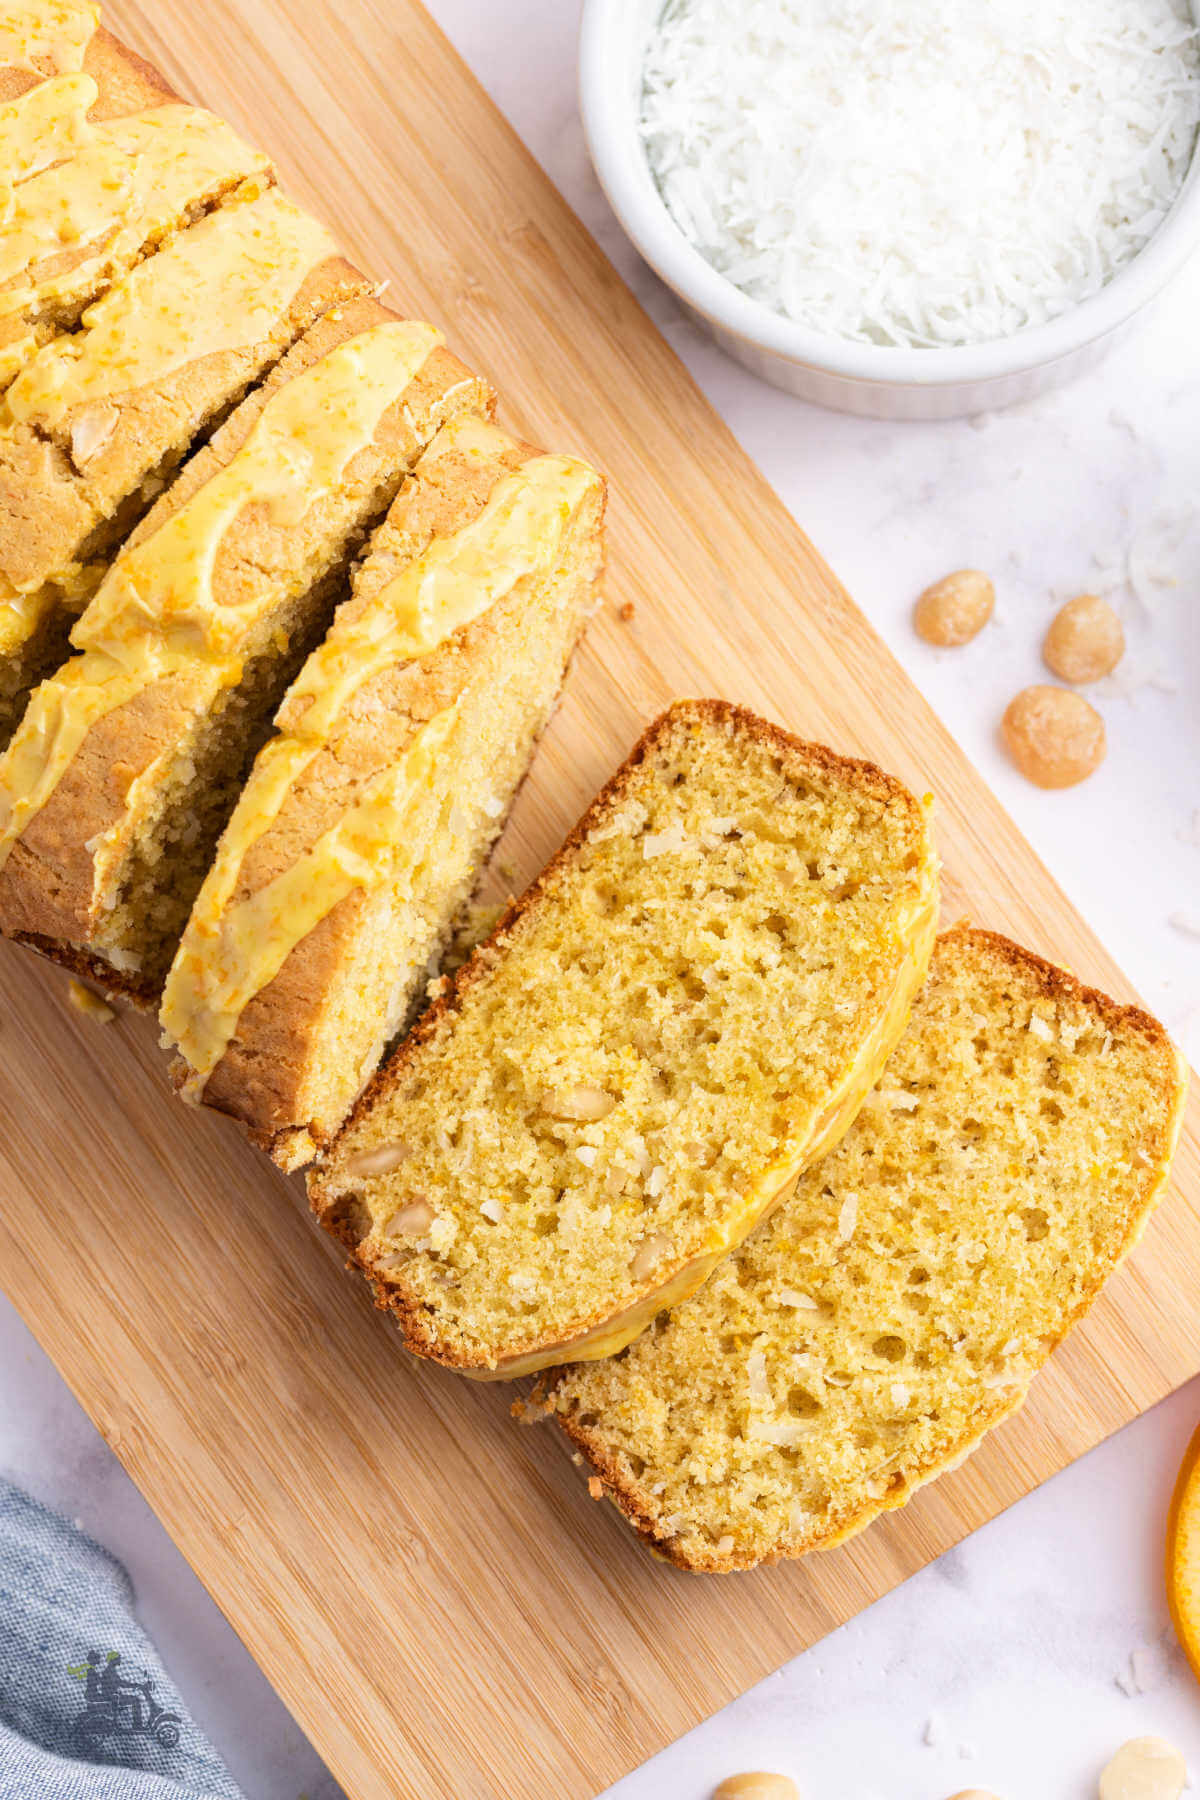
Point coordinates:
[[902, 208]]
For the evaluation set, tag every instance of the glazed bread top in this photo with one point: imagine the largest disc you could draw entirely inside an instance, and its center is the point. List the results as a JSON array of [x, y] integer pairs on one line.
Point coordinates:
[[101, 163], [898, 1303], [95, 412], [688, 1006], [40, 39]]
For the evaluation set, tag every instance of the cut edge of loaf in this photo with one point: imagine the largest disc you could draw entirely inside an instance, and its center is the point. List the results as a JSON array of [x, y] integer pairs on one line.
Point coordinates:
[[1052, 983], [594, 1336]]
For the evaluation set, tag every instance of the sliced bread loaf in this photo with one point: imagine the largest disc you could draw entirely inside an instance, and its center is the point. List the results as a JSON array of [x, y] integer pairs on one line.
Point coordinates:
[[362, 827], [688, 1006], [897, 1305], [128, 761], [97, 420]]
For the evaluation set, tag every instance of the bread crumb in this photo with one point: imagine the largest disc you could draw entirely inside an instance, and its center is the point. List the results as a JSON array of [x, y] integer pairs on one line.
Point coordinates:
[[595, 1487], [628, 611], [89, 1004]]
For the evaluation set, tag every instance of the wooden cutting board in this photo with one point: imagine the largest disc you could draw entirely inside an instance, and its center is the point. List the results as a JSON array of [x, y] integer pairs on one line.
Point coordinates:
[[427, 1585]]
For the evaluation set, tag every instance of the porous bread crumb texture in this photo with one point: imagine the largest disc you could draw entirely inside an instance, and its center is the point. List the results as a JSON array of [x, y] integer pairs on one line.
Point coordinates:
[[664, 1023], [170, 843], [47, 645], [308, 1044], [896, 1307]]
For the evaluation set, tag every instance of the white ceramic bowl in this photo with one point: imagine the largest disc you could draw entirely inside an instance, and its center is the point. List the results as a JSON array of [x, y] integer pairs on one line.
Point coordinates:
[[857, 378]]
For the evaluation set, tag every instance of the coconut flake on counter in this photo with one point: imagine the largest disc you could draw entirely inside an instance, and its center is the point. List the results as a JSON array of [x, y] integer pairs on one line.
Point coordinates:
[[1153, 575], [920, 175]]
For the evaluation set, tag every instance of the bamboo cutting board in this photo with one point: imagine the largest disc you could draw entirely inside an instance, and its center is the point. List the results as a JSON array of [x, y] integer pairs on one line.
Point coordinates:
[[447, 1614]]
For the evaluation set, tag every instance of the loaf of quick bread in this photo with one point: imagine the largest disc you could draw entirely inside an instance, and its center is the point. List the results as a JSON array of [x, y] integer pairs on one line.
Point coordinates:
[[128, 761], [362, 827], [687, 1007], [896, 1306]]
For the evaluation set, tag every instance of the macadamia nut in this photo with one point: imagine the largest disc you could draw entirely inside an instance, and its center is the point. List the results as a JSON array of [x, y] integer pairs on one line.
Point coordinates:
[[955, 608], [1054, 737], [1085, 640]]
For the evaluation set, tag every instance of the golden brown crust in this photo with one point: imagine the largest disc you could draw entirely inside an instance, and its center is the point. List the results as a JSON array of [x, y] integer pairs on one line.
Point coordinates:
[[418, 1330], [116, 985], [1040, 979], [46, 886], [126, 82]]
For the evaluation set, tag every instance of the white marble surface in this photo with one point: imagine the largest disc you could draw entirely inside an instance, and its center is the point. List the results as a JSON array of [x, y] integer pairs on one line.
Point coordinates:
[[1006, 1653]]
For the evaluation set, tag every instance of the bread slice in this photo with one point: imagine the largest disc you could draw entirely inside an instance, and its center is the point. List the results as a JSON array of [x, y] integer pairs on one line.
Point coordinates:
[[128, 761], [363, 825], [895, 1308], [689, 1005], [102, 163], [98, 419]]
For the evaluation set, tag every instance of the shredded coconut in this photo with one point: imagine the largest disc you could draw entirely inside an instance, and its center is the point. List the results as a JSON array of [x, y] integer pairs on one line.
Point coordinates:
[[756, 1370], [896, 1100], [914, 174], [663, 843]]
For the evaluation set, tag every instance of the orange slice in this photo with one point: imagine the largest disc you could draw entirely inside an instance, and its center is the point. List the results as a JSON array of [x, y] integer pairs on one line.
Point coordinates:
[[1183, 1555]]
